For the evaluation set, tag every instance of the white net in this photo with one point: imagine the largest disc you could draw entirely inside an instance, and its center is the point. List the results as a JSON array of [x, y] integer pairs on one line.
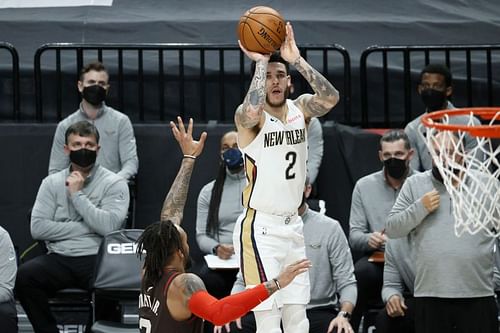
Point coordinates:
[[470, 170]]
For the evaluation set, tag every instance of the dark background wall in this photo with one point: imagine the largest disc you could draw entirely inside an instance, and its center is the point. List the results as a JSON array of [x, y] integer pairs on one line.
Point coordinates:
[[349, 154]]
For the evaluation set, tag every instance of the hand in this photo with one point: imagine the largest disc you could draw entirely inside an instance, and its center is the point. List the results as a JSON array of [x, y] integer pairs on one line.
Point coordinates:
[[395, 306], [75, 182], [376, 240], [289, 50], [292, 270], [430, 200], [255, 56], [225, 251], [342, 325], [185, 139], [218, 329]]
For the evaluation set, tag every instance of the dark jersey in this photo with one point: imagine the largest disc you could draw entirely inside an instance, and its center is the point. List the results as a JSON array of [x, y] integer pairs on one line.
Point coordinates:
[[154, 316]]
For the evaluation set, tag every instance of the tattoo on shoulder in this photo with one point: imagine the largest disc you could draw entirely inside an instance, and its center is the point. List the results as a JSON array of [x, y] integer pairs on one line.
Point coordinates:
[[191, 284]]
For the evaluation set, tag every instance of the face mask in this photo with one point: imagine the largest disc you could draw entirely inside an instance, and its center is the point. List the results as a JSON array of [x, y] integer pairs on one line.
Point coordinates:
[[396, 168], [433, 99], [95, 94], [83, 157], [233, 158]]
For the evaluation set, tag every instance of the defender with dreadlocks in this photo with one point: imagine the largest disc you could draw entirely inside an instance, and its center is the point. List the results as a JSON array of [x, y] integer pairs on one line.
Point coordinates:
[[171, 299]]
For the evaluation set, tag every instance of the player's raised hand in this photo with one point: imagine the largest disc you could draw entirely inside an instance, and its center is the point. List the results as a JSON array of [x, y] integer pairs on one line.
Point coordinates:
[[255, 56], [430, 200], [184, 137], [289, 50]]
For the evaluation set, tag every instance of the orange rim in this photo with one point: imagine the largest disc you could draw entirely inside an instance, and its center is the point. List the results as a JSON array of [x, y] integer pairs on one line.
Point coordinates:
[[486, 113]]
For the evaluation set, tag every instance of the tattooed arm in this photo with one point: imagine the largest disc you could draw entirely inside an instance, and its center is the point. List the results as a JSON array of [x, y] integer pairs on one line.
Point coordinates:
[[325, 95], [173, 206]]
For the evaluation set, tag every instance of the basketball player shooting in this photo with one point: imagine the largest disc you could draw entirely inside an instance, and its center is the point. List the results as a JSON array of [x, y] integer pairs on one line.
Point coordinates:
[[272, 136]]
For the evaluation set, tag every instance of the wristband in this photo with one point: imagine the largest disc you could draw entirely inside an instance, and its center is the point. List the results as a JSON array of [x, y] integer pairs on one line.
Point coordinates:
[[277, 284], [190, 156]]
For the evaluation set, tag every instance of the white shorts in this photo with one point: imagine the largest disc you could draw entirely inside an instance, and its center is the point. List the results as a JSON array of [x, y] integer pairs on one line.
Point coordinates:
[[265, 245]]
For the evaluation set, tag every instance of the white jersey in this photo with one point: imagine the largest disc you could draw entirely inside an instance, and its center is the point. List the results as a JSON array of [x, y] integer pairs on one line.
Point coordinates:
[[275, 164]]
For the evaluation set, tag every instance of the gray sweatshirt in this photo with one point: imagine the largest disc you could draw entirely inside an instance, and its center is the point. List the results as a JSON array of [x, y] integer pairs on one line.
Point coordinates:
[[332, 268], [399, 272], [118, 151], [74, 224], [372, 200], [229, 210], [422, 160], [315, 148], [445, 265], [8, 267]]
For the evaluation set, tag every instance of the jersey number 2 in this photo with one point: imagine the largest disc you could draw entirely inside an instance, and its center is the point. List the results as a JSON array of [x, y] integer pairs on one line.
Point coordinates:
[[291, 157]]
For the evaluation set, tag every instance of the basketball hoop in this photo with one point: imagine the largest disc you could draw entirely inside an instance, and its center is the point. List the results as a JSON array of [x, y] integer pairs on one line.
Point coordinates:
[[471, 175]]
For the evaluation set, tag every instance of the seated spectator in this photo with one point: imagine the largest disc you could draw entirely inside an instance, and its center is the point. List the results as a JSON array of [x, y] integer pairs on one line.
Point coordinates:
[[8, 269], [333, 285], [398, 316], [315, 148], [435, 89], [118, 151], [372, 200], [73, 210]]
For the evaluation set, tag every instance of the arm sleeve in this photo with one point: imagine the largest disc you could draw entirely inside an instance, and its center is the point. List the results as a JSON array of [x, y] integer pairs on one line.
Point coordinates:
[[393, 284], [406, 214], [205, 242], [359, 234], [58, 160], [220, 312], [342, 266], [127, 150], [43, 225], [8, 267], [112, 212], [315, 145]]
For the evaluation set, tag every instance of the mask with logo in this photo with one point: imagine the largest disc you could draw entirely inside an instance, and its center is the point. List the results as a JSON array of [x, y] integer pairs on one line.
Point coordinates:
[[233, 159], [94, 94], [83, 157], [395, 167], [433, 99]]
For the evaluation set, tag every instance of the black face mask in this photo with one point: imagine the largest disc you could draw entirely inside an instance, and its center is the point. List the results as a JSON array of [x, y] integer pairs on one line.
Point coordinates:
[[95, 94], [433, 99], [83, 157], [396, 168]]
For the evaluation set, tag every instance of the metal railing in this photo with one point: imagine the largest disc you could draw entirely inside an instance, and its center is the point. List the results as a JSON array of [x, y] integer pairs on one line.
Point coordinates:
[[13, 68], [394, 77], [153, 82]]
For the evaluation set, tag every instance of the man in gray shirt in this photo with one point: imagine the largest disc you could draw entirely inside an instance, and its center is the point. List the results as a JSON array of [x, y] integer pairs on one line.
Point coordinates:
[[372, 200], [73, 210], [331, 274], [8, 269], [435, 90], [118, 151], [453, 275]]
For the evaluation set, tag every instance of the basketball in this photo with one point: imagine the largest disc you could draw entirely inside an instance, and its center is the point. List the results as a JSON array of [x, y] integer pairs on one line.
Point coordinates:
[[261, 29]]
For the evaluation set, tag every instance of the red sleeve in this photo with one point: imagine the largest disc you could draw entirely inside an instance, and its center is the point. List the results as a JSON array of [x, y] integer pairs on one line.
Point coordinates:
[[220, 312]]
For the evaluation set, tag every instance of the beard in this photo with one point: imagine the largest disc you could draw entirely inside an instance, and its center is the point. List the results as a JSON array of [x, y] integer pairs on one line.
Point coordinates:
[[280, 103], [188, 262]]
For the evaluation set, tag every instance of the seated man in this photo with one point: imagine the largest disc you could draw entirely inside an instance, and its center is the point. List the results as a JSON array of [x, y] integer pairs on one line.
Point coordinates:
[[73, 210], [8, 269], [331, 274], [435, 89], [118, 151], [398, 316], [372, 200]]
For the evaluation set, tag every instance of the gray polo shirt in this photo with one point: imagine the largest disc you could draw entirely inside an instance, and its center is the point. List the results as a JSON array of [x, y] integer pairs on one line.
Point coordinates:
[[332, 270], [74, 224], [8, 267], [118, 151], [445, 265], [372, 200], [229, 210], [422, 159], [315, 144], [399, 271]]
